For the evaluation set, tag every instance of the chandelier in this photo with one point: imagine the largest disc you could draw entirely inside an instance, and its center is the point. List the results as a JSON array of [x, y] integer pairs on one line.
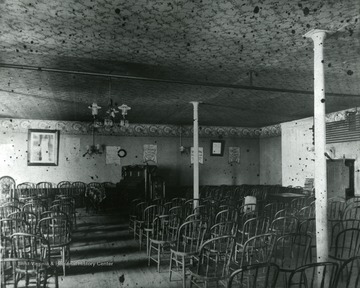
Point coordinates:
[[110, 117], [109, 121]]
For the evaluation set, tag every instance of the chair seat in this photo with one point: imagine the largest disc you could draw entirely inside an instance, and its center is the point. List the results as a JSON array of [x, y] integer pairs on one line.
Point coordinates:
[[208, 273], [183, 252]]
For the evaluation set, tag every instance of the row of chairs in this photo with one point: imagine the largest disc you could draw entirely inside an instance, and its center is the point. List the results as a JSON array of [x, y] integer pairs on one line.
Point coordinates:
[[53, 223], [304, 217]]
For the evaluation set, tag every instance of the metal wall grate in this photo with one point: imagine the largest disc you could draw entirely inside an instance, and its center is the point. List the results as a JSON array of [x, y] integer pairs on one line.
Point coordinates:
[[344, 130]]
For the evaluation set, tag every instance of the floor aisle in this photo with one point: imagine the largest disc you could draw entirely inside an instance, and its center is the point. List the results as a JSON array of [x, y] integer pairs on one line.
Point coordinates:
[[104, 254]]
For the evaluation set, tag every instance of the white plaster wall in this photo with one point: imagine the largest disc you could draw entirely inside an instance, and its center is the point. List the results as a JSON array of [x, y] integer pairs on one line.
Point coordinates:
[[270, 161], [297, 152], [174, 167], [298, 156]]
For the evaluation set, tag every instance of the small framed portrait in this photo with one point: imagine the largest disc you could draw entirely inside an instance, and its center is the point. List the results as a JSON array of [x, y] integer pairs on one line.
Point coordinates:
[[217, 148], [43, 147]]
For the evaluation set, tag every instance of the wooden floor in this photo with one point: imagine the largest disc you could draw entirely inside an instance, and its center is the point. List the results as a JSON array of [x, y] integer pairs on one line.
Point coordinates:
[[104, 254]]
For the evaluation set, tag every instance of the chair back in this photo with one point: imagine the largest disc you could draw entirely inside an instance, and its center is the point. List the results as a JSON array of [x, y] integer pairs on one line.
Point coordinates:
[[8, 208], [215, 256], [190, 236], [348, 275], [262, 275], [258, 249], [9, 226], [7, 188], [161, 230], [292, 251], [223, 228], [284, 225], [314, 275], [56, 230], [347, 244]]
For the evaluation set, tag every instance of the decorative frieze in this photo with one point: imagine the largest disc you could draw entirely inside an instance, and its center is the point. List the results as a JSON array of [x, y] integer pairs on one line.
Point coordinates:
[[82, 128]]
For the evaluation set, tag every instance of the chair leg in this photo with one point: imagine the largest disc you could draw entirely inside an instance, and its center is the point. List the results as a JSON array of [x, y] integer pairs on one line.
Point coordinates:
[[171, 264], [183, 271], [159, 257], [140, 239], [63, 258]]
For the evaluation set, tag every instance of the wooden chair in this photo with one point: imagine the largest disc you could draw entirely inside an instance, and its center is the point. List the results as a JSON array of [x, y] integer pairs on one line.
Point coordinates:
[[348, 275], [262, 275], [133, 214], [57, 233], [214, 261], [251, 228], [314, 275], [145, 226], [79, 189], [7, 188], [189, 238], [28, 217], [284, 225], [290, 252], [25, 191], [347, 245], [36, 206], [257, 249], [8, 208], [160, 239], [29, 261]]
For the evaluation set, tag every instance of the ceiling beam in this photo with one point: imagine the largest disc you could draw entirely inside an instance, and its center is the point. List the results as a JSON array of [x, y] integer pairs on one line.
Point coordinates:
[[181, 82]]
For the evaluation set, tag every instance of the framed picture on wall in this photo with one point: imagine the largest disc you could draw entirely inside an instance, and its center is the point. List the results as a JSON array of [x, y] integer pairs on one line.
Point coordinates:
[[43, 147], [217, 148]]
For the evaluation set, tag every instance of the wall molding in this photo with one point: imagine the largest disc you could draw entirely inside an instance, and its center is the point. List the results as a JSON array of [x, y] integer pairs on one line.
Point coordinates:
[[148, 130]]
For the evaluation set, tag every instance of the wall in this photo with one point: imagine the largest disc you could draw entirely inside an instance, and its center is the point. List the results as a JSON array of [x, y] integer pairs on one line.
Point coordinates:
[[172, 165], [270, 161], [297, 154]]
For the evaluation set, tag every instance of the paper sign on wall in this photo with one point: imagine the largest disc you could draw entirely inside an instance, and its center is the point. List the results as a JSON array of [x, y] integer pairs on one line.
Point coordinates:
[[72, 147], [234, 155], [150, 153], [201, 155], [112, 155]]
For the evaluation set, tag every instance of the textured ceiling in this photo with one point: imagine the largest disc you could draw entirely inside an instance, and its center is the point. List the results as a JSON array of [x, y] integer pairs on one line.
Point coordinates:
[[231, 48]]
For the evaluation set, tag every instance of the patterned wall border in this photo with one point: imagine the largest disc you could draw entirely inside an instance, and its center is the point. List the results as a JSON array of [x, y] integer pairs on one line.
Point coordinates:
[[82, 128]]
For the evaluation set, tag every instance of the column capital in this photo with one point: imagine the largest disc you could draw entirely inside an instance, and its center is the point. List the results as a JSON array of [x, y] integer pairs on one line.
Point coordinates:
[[320, 33]]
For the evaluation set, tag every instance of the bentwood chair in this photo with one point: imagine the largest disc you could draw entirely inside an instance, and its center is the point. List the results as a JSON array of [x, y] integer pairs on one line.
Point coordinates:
[[348, 275], [290, 252], [7, 188], [29, 261], [57, 233], [262, 275], [8, 208], [284, 225], [214, 262], [160, 239], [314, 275], [28, 217], [79, 189], [347, 245], [189, 238], [25, 191], [257, 249]]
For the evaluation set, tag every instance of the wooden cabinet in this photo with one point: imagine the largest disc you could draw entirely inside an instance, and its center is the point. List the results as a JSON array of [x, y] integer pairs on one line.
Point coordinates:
[[137, 181]]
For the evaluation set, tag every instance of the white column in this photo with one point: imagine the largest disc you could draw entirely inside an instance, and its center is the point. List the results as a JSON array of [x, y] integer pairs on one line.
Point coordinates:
[[196, 153], [322, 245]]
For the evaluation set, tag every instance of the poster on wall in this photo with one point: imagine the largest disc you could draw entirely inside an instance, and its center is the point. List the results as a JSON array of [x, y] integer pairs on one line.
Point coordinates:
[[150, 153], [201, 155], [111, 155], [234, 155], [72, 148]]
